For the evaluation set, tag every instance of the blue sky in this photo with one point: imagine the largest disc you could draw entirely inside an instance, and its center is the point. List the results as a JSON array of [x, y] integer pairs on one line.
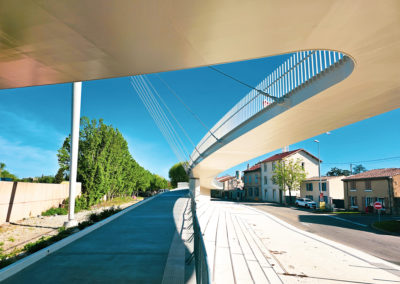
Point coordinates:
[[35, 120]]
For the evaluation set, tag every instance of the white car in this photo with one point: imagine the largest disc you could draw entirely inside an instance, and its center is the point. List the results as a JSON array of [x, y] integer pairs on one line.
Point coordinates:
[[306, 202]]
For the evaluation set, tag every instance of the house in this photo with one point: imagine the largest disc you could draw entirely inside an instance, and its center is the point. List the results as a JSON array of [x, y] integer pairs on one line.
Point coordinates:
[[383, 185], [331, 188], [252, 182], [269, 190], [231, 187]]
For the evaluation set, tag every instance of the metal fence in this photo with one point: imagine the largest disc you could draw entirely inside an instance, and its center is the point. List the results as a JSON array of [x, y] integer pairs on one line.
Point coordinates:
[[298, 69], [200, 254]]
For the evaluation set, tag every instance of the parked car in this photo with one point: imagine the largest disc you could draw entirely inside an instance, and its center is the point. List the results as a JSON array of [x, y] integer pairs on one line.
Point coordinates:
[[163, 190], [306, 202]]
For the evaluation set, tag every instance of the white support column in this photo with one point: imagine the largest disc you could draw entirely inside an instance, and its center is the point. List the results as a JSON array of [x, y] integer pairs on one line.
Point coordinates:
[[194, 186], [75, 121]]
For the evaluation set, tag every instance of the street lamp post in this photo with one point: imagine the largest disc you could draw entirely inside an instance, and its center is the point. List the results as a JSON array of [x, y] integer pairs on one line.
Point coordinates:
[[319, 171]]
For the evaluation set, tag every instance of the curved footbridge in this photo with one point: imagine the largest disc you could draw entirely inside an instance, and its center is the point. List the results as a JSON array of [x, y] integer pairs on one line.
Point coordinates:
[[142, 245]]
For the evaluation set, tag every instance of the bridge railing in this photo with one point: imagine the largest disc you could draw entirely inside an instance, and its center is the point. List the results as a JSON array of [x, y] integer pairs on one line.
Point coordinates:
[[203, 275], [298, 69]]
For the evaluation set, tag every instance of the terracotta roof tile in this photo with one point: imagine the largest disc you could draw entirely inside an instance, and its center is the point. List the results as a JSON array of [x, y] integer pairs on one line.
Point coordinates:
[[280, 156], [253, 168], [389, 172]]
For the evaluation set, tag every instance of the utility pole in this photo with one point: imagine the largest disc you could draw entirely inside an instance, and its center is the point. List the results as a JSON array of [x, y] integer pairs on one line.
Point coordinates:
[[319, 171]]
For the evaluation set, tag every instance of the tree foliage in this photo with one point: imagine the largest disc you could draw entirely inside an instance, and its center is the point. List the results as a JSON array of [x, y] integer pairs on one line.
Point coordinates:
[[359, 169], [177, 174], [289, 175], [105, 166], [338, 172], [6, 174]]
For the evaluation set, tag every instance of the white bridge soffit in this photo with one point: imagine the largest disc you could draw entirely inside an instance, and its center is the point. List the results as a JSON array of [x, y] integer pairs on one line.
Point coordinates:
[[49, 42]]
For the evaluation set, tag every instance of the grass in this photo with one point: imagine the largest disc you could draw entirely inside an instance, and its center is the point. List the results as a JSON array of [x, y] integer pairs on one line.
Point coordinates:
[[390, 226], [78, 206], [16, 254], [55, 211], [118, 201]]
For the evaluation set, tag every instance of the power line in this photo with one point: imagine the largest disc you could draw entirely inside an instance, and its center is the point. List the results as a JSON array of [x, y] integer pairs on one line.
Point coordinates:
[[243, 83], [365, 161]]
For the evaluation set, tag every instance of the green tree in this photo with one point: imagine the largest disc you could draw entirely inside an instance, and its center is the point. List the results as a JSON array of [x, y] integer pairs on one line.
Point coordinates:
[[59, 178], [105, 166], [289, 175], [46, 179], [2, 166], [337, 172], [6, 174], [177, 174], [359, 169]]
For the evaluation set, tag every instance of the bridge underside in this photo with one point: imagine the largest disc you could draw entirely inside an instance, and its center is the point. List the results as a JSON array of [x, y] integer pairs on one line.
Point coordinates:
[[65, 41]]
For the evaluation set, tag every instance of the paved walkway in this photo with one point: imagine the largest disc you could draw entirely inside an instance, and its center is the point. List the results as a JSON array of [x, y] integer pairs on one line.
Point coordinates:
[[140, 246], [245, 245]]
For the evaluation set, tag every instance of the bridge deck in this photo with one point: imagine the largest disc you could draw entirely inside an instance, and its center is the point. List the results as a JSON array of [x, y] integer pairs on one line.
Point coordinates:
[[136, 247], [248, 246]]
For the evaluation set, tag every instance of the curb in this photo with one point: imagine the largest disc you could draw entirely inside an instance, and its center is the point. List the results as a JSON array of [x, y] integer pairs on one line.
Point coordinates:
[[21, 264], [384, 231]]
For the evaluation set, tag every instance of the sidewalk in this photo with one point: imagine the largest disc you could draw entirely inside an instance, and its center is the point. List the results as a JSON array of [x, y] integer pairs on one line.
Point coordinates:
[[134, 248], [245, 245]]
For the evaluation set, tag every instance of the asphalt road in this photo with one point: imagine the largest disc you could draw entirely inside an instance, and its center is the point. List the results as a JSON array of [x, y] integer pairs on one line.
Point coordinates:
[[353, 231]]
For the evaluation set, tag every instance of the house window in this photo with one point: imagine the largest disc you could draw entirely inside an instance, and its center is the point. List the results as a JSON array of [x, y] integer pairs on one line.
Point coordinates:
[[353, 185], [256, 178], [249, 179], [265, 167], [310, 197], [302, 165], [309, 186], [324, 186], [265, 180], [369, 201], [256, 191], [273, 166], [368, 185], [250, 191], [382, 201], [353, 201]]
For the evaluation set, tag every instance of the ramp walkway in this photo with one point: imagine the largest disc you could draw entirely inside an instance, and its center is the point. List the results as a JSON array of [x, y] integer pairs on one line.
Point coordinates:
[[144, 245], [245, 245]]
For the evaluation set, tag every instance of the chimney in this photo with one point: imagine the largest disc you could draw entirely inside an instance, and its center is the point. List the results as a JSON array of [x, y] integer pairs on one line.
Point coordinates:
[[285, 149], [237, 174], [248, 166]]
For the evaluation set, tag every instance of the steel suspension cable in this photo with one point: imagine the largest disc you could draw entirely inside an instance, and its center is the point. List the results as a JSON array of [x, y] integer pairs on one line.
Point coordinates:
[[175, 135], [187, 107], [151, 110], [173, 116]]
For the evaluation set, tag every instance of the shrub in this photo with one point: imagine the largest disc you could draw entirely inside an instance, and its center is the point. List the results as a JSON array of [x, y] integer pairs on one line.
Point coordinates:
[[55, 211]]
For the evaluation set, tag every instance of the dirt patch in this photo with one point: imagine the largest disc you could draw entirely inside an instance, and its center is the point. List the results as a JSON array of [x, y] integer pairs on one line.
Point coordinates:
[[16, 234]]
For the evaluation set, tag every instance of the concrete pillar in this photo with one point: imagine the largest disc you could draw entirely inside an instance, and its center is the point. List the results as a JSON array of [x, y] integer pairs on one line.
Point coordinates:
[[194, 186], [75, 121]]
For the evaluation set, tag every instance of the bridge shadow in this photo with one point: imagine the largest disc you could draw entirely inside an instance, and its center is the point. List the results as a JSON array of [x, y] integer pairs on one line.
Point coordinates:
[[135, 247]]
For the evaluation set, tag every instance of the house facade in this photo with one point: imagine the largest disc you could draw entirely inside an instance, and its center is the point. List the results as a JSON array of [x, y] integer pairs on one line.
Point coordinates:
[[252, 182], [269, 190], [331, 187], [362, 190]]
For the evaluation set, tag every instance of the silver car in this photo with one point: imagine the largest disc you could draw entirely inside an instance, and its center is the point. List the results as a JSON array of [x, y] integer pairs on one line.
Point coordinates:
[[306, 202]]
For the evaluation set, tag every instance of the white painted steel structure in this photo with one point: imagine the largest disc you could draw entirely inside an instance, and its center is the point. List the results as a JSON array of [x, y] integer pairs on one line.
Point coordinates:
[[49, 42], [296, 71]]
